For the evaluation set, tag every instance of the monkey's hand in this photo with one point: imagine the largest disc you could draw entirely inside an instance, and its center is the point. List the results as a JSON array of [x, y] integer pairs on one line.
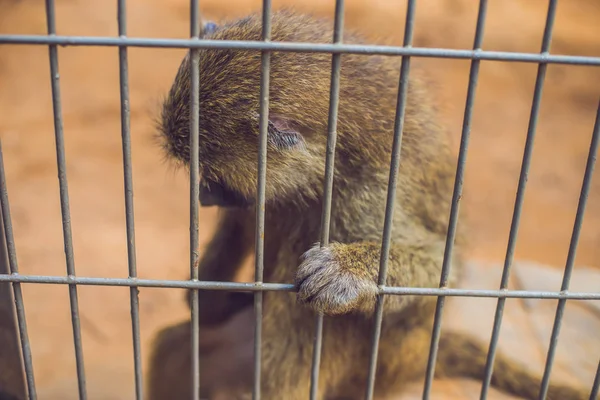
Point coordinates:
[[341, 278], [330, 281]]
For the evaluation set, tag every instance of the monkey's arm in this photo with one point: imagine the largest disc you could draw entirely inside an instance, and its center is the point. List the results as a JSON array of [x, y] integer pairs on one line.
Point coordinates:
[[220, 261], [341, 278], [227, 249]]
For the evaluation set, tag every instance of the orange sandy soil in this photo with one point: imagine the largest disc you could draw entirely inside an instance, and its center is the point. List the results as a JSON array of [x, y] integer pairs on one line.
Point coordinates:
[[89, 79]]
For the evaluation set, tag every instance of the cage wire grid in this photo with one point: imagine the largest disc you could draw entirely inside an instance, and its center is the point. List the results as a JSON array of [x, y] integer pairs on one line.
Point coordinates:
[[265, 46]]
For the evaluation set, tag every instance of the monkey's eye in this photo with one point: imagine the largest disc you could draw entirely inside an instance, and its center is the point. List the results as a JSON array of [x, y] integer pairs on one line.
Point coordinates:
[[283, 139], [209, 27]]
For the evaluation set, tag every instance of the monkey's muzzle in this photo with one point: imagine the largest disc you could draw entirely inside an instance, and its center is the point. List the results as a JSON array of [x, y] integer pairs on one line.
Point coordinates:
[[216, 194]]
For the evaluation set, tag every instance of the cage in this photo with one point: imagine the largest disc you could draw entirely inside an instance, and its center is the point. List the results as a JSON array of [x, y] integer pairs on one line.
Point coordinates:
[[23, 385]]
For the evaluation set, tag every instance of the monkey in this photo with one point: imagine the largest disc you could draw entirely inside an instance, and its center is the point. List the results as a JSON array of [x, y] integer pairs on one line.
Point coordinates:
[[339, 279], [220, 378], [7, 396], [208, 27]]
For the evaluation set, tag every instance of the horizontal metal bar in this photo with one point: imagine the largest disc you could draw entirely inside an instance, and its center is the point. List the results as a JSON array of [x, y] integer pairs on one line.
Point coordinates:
[[286, 287], [508, 294], [300, 47]]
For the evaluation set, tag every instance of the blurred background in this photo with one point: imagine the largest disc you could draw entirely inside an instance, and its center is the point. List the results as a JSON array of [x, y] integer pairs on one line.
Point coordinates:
[[89, 79]]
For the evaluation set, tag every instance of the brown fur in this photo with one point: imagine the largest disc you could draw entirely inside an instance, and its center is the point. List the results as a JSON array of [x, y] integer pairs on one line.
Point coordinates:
[[340, 279], [11, 372]]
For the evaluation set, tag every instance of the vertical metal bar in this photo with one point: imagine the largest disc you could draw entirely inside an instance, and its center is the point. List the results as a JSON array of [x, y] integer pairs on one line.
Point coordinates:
[[12, 379], [391, 195], [596, 385], [64, 197], [128, 186], [194, 191], [456, 197], [334, 99], [265, 73], [585, 190], [514, 227], [17, 292]]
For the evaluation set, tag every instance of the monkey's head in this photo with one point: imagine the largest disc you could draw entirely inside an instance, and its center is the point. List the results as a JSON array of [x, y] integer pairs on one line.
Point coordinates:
[[229, 114]]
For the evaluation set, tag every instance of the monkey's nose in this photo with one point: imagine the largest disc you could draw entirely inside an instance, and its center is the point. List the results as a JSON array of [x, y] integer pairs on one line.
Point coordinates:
[[211, 194], [215, 194]]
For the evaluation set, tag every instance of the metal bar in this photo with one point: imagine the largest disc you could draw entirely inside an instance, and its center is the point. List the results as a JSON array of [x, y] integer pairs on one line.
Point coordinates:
[[300, 47], [585, 190], [288, 287], [391, 195], [316, 358], [128, 187], [514, 227], [12, 379], [334, 100], [456, 197], [64, 197], [265, 72], [596, 385], [195, 30], [17, 292]]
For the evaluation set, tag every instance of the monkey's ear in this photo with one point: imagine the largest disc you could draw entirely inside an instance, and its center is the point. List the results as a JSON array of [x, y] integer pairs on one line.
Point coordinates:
[[282, 135]]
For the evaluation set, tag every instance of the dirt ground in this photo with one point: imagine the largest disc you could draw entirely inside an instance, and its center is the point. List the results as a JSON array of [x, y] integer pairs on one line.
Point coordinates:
[[89, 79]]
